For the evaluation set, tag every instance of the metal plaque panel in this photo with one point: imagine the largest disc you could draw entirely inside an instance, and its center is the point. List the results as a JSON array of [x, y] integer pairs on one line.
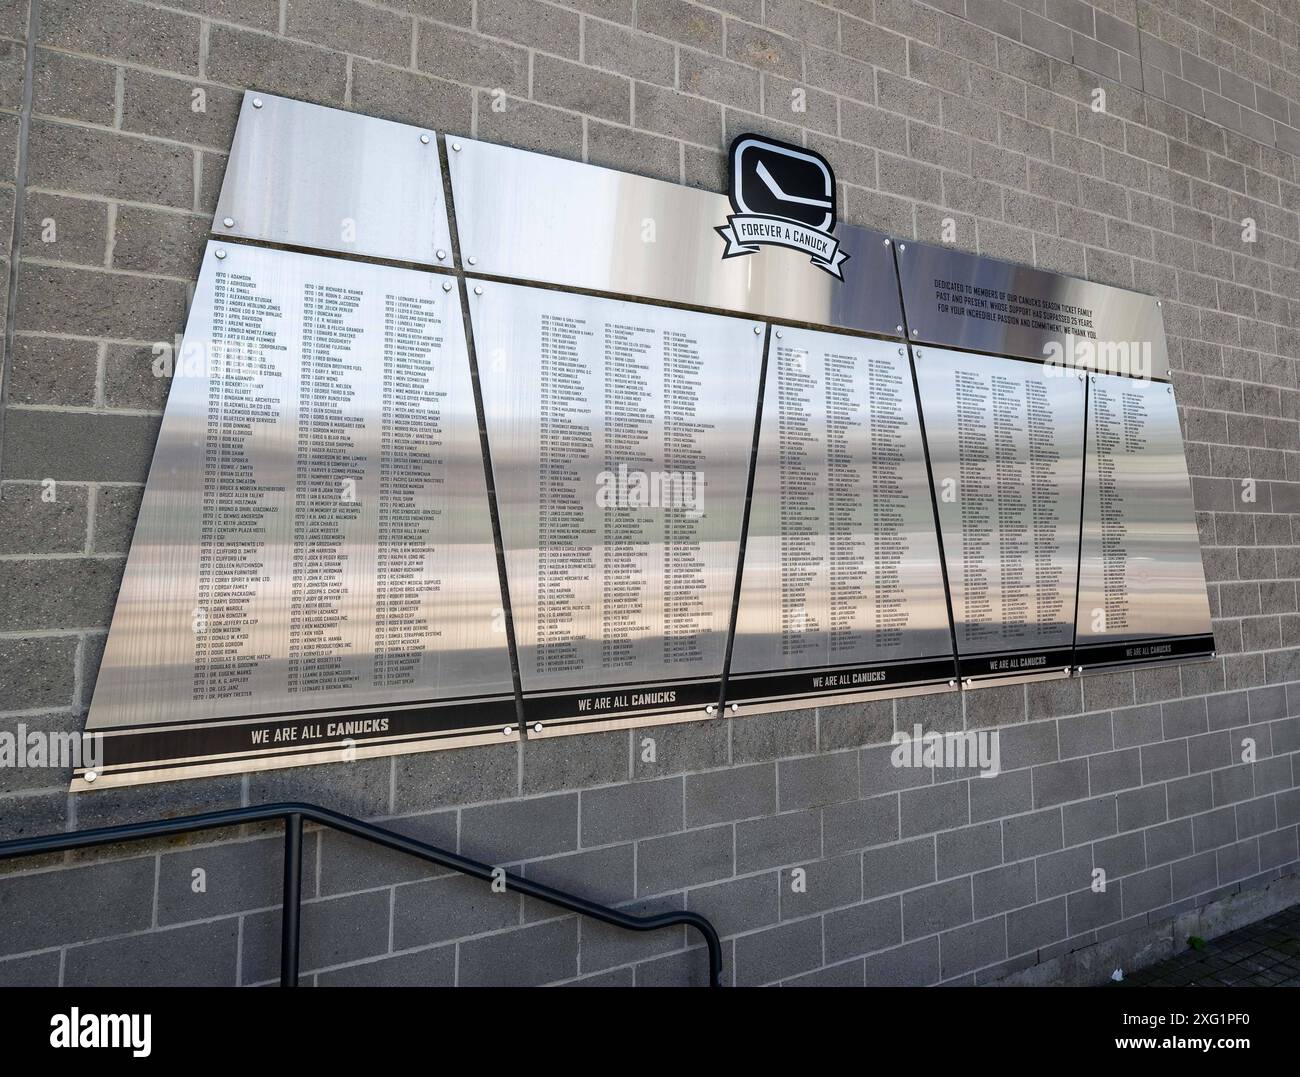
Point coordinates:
[[842, 592], [313, 570], [309, 176], [620, 436], [965, 301], [1141, 584], [532, 217], [1006, 457]]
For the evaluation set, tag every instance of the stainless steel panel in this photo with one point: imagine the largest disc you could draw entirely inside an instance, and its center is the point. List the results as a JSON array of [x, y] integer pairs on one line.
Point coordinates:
[[310, 176], [1006, 456], [1140, 574], [532, 217], [965, 301], [842, 570], [315, 536], [620, 436]]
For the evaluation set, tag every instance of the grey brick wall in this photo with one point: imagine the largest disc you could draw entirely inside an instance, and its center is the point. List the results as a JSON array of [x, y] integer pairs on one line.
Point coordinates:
[[978, 111]]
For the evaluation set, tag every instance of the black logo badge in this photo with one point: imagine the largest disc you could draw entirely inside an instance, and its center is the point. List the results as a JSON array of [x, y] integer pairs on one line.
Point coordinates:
[[785, 196]]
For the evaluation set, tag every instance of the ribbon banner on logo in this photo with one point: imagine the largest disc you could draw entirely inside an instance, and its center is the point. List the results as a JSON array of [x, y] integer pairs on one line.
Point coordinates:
[[746, 232]]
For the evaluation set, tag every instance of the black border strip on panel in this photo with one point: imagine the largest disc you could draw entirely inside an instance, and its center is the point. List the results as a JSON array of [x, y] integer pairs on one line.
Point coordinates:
[[906, 347], [485, 448], [1142, 651], [725, 684], [143, 748], [1083, 509]]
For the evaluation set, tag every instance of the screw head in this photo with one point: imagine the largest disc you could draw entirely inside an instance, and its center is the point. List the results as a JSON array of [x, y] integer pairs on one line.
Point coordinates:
[[507, 731], [456, 146], [441, 255], [710, 709], [257, 102], [424, 140], [888, 242], [916, 332], [537, 727], [446, 286], [473, 261], [778, 335], [735, 707], [91, 775], [228, 222], [478, 290], [952, 684], [898, 329], [220, 254], [902, 246], [757, 330]]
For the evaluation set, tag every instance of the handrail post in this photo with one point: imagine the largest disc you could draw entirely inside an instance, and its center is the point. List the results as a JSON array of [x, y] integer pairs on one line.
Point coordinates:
[[292, 912]]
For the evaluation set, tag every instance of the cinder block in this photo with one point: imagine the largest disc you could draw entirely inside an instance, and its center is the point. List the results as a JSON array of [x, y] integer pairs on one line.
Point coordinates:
[[1008, 793], [520, 829], [671, 749], [936, 807], [529, 23], [739, 904], [778, 840], [636, 810], [202, 955], [59, 593], [275, 65], [862, 929], [817, 780], [969, 849], [120, 30], [351, 27], [449, 908], [974, 946], [1028, 835], [469, 58], [686, 859], [856, 824], [428, 780], [215, 880], [1011, 886], [554, 763], [820, 885], [30, 523], [334, 931], [540, 954], [891, 868], [1056, 783], [735, 793], [778, 952], [758, 737], [1087, 820], [915, 964], [606, 875], [434, 966]]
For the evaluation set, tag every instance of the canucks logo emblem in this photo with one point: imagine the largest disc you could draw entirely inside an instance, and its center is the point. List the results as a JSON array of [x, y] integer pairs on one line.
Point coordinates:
[[783, 196]]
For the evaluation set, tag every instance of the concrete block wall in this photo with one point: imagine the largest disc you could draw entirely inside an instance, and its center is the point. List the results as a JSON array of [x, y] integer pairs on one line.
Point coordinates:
[[976, 112]]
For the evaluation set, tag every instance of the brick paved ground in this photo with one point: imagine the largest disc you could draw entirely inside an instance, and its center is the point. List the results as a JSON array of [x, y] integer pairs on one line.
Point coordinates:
[[1265, 954]]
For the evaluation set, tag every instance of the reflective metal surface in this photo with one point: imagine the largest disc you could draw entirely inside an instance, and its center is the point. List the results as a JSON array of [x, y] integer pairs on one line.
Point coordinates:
[[538, 218], [966, 301], [1141, 584], [842, 591], [314, 540], [620, 436], [1006, 456], [309, 176]]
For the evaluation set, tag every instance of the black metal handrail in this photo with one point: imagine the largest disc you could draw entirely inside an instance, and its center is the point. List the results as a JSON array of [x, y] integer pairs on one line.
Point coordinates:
[[294, 814]]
